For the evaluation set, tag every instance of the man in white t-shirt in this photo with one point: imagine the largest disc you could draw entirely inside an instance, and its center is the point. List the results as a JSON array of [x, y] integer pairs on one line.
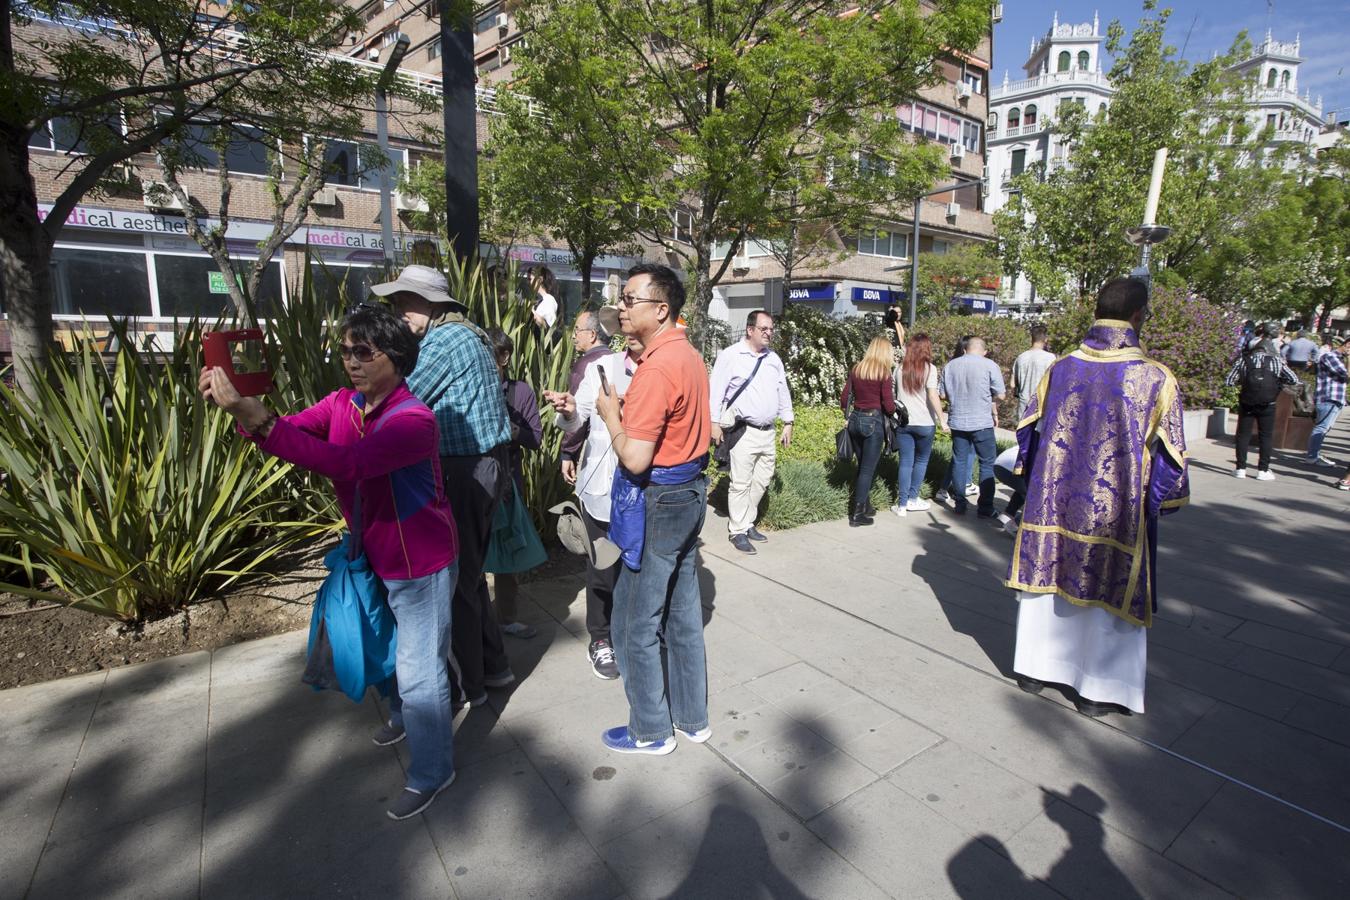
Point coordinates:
[[593, 481], [1028, 370]]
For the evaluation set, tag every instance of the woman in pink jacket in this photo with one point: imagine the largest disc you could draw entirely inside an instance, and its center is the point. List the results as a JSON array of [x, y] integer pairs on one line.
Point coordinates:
[[377, 440]]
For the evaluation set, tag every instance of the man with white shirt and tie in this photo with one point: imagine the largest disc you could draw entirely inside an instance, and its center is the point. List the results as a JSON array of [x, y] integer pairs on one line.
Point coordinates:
[[748, 391]]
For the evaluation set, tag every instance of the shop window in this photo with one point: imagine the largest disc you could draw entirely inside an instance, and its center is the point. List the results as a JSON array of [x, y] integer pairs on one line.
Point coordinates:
[[343, 283], [191, 286], [1064, 61], [1083, 60], [98, 283]]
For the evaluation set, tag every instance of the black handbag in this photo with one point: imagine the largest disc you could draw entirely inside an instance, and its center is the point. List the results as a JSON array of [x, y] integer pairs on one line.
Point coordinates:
[[732, 435], [843, 441]]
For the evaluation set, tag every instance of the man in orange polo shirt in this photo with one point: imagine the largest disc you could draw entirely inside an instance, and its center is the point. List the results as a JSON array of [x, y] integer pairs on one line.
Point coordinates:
[[657, 506]]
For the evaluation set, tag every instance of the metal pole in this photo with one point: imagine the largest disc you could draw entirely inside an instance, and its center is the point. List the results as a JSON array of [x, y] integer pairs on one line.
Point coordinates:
[[386, 201], [396, 54], [914, 265], [458, 77]]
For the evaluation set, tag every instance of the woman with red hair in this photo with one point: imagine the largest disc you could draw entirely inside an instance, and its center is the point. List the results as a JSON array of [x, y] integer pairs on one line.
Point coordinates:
[[916, 388]]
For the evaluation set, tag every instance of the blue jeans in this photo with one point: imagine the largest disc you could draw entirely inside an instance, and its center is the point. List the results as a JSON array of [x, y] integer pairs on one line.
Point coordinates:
[[916, 445], [985, 448], [868, 433], [1326, 417], [420, 697], [662, 600]]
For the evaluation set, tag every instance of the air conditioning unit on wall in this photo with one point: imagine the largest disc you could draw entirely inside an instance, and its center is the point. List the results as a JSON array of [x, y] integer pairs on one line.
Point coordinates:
[[953, 210], [998, 13], [157, 195], [963, 91], [741, 262], [503, 23], [406, 203], [506, 55], [958, 151], [324, 196]]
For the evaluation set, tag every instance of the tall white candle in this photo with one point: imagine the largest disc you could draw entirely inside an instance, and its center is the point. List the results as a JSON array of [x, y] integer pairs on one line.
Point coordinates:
[[1155, 187]]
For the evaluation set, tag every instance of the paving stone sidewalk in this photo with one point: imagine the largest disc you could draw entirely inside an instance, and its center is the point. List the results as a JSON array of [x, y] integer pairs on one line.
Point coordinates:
[[867, 741]]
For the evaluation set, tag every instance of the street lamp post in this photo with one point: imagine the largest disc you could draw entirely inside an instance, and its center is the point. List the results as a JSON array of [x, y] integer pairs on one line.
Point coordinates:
[[396, 54], [914, 247]]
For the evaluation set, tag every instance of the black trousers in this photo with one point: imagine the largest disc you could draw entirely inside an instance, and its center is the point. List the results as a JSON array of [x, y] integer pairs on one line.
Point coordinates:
[[1263, 415], [599, 585], [475, 486]]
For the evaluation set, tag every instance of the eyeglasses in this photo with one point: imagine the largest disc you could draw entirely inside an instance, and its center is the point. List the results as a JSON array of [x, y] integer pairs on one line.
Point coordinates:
[[629, 301], [363, 352], [762, 329]]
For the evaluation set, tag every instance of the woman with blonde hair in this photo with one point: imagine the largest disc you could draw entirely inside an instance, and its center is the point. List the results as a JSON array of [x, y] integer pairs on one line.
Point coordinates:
[[869, 393]]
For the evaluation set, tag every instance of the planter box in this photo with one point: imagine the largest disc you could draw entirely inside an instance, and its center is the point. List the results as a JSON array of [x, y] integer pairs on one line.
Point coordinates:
[[1219, 423], [1291, 431], [1196, 423]]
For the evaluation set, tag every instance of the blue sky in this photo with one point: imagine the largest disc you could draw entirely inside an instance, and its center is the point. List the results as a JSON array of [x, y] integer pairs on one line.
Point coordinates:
[[1211, 24]]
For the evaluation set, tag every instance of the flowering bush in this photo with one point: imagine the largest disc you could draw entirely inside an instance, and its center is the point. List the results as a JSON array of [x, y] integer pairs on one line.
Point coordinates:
[[818, 351], [1194, 338]]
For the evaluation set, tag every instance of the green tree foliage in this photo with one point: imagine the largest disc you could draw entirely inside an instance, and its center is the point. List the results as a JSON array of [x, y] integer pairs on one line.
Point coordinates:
[[1065, 228], [716, 109], [943, 277], [122, 78], [1005, 338]]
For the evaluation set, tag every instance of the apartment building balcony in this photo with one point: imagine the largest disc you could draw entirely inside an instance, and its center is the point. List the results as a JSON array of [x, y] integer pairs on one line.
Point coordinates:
[[1302, 102], [1019, 131], [1051, 79]]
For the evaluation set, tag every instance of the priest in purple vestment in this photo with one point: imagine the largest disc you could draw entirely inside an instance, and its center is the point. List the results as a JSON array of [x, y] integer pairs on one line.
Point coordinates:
[[1103, 453]]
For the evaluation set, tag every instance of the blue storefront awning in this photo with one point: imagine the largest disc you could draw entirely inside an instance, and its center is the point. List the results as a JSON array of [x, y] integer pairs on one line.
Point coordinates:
[[979, 305], [878, 295], [811, 292]]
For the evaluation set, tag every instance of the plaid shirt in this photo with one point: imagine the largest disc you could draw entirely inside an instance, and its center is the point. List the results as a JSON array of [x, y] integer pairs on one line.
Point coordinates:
[[1330, 378], [455, 375]]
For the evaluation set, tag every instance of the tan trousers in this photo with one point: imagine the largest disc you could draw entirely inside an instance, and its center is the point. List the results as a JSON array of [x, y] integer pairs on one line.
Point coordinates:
[[752, 462]]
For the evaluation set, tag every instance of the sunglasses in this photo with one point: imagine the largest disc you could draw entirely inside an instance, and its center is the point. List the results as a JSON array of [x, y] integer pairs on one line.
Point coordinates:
[[363, 352]]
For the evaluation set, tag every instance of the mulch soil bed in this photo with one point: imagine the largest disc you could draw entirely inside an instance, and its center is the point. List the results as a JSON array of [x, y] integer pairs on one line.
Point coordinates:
[[44, 644]]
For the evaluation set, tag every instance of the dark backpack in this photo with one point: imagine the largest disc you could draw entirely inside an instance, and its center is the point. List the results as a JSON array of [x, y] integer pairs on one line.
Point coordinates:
[[1260, 385]]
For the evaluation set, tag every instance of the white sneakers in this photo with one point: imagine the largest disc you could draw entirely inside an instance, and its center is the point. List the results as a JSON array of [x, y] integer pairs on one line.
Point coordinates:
[[899, 510], [918, 505], [1239, 473], [1261, 474]]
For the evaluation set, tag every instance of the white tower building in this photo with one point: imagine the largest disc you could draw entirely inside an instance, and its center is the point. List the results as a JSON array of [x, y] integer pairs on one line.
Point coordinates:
[[1272, 70], [1064, 66]]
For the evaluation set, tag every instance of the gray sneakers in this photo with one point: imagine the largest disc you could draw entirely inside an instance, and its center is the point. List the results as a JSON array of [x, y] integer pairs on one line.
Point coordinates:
[[388, 735], [411, 802]]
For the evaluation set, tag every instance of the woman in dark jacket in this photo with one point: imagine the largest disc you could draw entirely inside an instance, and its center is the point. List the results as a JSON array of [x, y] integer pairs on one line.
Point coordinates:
[[868, 390], [522, 407]]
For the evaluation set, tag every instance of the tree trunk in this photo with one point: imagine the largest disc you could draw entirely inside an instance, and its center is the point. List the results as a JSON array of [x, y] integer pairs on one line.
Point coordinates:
[[587, 262], [25, 259], [789, 260], [701, 290]]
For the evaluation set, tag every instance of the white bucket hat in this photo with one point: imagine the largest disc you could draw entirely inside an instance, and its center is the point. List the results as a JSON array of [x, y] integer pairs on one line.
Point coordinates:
[[423, 281]]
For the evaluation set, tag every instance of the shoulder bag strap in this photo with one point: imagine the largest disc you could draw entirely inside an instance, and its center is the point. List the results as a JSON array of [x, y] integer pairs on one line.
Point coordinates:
[[746, 383]]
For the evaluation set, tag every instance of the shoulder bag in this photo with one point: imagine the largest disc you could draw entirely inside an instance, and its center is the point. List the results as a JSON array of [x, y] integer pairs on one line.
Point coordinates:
[[843, 441], [731, 436]]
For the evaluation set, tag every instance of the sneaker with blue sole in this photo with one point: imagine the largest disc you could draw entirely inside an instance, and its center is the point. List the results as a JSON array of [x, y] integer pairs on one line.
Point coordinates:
[[620, 741]]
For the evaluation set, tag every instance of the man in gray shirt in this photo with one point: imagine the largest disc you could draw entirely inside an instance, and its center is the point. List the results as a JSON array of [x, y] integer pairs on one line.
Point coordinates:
[[1299, 352], [971, 382], [1029, 368]]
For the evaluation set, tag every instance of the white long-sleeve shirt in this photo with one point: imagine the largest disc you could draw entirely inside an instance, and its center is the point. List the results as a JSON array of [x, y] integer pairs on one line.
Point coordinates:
[[767, 398], [598, 462]]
